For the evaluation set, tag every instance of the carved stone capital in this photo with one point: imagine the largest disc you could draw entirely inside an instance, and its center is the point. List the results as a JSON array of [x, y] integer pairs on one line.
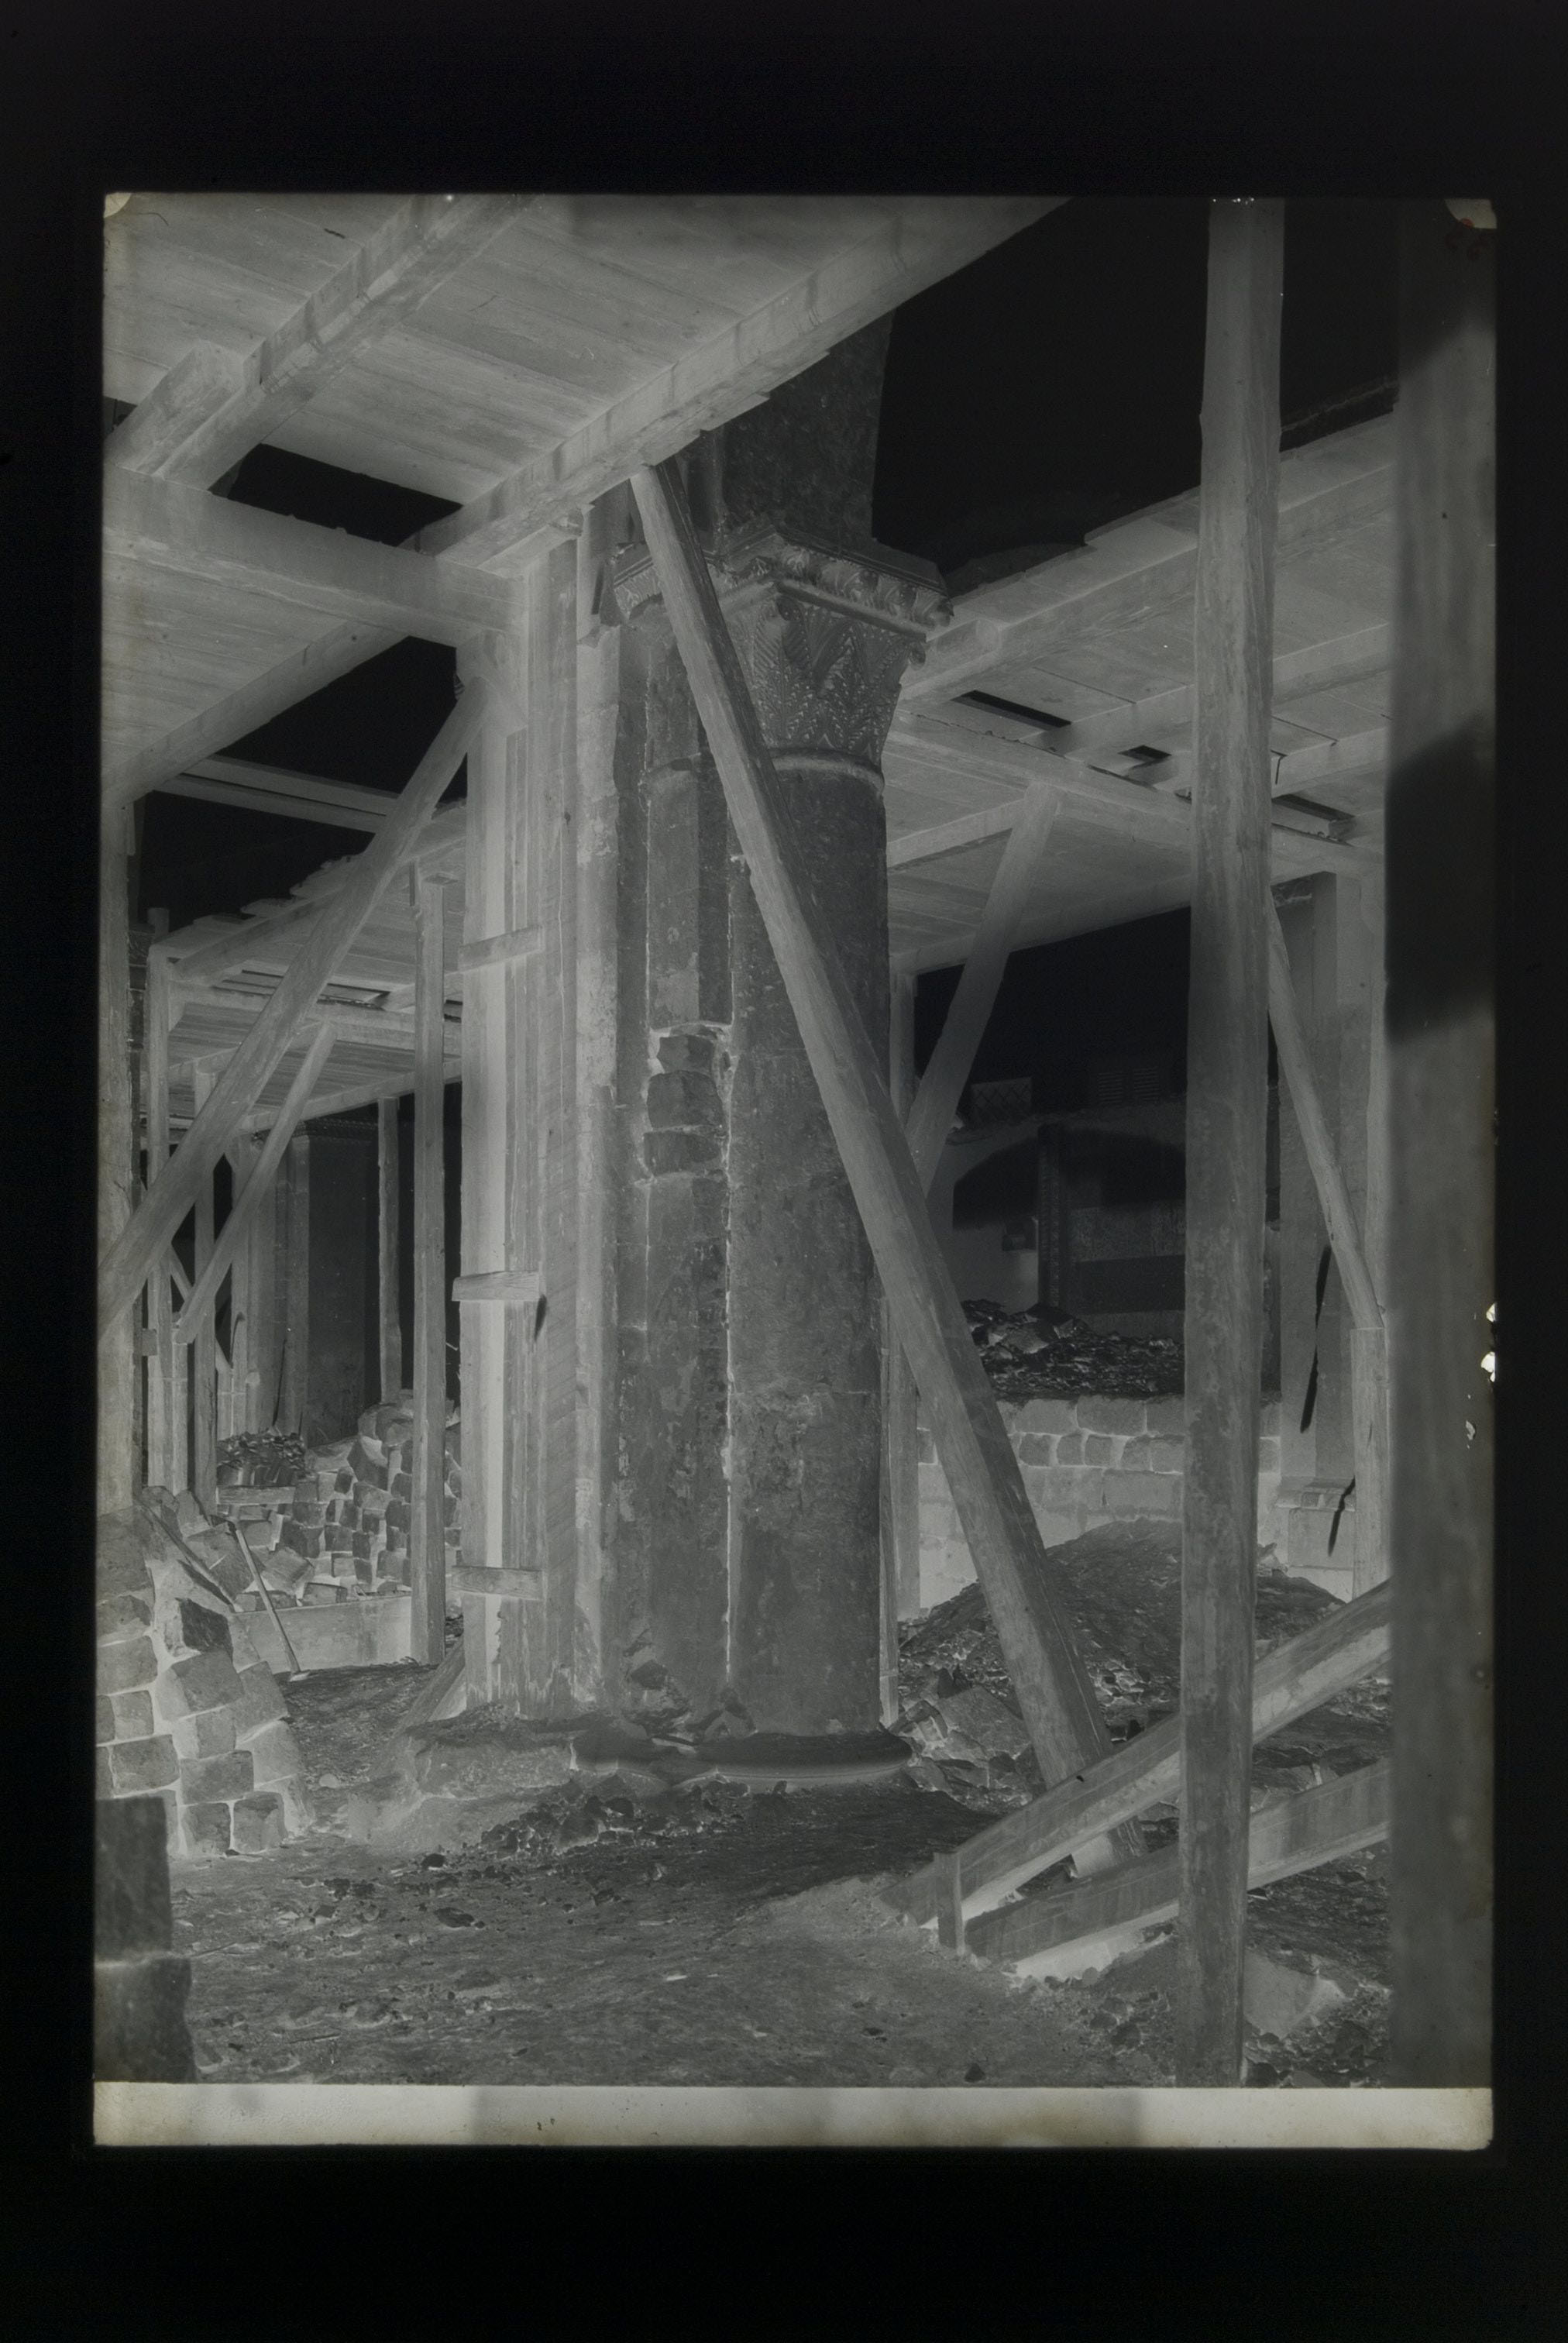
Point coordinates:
[[824, 636]]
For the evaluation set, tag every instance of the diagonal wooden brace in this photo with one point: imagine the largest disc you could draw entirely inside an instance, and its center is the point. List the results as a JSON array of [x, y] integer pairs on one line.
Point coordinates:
[[1050, 1679], [174, 1187]]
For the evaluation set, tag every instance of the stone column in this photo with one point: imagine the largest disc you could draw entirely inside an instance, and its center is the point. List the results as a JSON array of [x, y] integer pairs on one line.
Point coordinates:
[[753, 1407]]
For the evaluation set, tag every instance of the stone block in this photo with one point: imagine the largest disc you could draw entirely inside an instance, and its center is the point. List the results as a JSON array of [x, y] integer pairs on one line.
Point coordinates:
[[125, 1616], [319, 1590], [364, 1570], [1123, 1415], [346, 1566], [206, 1680], [1129, 1493], [1134, 1456], [397, 1516], [121, 1556], [1069, 1448], [288, 1566], [400, 1485], [310, 1513], [132, 1910], [687, 1101], [666, 1151], [202, 1629], [300, 1537], [104, 1726], [361, 1544], [373, 1504], [393, 1424], [256, 1822], [203, 1779], [682, 1054], [1280, 2001], [1099, 1448], [1167, 1416], [103, 1780], [274, 1752], [241, 1651], [1167, 1455], [133, 1716], [205, 1829], [343, 1479], [123, 1667], [1034, 1447], [144, 1764], [209, 1733], [1044, 1415], [368, 1459], [139, 2031], [260, 1700]]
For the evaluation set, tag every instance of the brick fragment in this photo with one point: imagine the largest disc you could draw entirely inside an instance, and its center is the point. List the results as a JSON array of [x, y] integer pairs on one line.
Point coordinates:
[[125, 1616], [205, 1829], [205, 1778], [133, 1716], [259, 1699], [256, 1822], [209, 1733], [144, 1764], [206, 1680], [122, 1667]]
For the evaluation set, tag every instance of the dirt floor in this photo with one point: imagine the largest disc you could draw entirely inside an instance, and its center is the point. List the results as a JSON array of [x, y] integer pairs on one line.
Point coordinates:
[[721, 1935]]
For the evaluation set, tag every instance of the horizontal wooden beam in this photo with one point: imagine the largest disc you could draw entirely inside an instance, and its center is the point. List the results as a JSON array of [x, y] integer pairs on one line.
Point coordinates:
[[501, 951], [516, 1288], [357, 1094], [917, 242], [1298, 771], [214, 406], [1146, 563], [175, 1185], [924, 744], [1316, 1826], [1143, 723], [152, 526], [262, 789], [374, 1029], [1292, 1681]]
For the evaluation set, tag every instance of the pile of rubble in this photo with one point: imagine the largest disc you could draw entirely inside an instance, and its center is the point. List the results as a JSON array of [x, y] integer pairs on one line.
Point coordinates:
[[1040, 1353], [342, 1529], [187, 1709], [1122, 1590], [264, 1460]]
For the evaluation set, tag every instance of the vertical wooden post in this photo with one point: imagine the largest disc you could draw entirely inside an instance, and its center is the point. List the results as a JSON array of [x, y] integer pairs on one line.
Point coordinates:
[[263, 1362], [901, 1400], [426, 1537], [295, 1382], [204, 1349], [389, 1296], [1227, 1123], [116, 1468], [165, 1365], [1440, 1048]]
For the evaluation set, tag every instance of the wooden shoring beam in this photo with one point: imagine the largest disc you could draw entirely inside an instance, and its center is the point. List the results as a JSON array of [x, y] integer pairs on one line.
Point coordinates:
[[1299, 771], [243, 1159], [426, 1514], [1138, 723], [117, 1366], [260, 788], [1148, 562], [374, 1029], [204, 1293], [204, 1347], [1443, 952], [1123, 808], [1050, 1679], [212, 407], [176, 1184], [901, 1475], [914, 244], [1369, 1337], [388, 1280], [1227, 1122], [1316, 1825], [941, 1085], [1299, 1676], [357, 1094], [154, 526], [294, 1377], [166, 1368]]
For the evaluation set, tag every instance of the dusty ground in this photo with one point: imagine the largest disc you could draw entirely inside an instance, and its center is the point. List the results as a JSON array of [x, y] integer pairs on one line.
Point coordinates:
[[722, 1935]]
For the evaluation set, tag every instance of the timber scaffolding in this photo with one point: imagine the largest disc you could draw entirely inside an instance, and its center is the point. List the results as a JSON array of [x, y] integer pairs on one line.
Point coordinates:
[[1246, 634]]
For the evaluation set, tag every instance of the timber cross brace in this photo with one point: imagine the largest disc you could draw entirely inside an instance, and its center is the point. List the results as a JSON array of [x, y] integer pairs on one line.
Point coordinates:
[[1052, 1684]]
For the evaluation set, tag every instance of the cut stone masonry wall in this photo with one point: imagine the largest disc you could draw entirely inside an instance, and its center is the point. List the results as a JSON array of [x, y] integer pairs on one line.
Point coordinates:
[[1085, 1463]]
